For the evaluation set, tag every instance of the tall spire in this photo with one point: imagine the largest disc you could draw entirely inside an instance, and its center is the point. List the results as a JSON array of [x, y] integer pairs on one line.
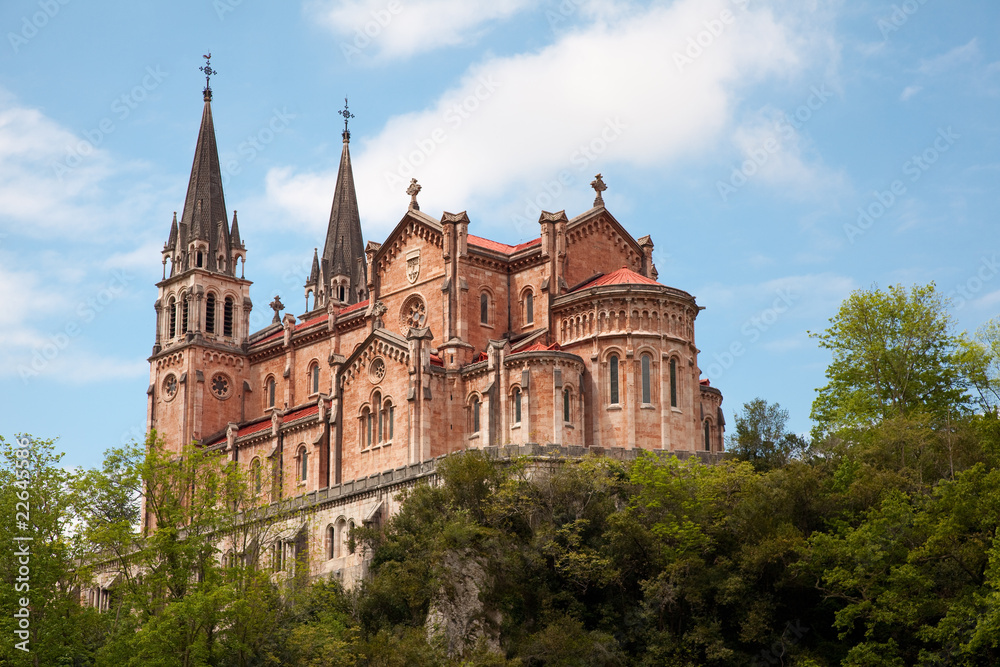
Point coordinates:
[[344, 252], [204, 211]]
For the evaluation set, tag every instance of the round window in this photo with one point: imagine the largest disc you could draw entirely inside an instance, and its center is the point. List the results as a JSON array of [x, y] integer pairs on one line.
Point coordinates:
[[170, 386], [221, 386], [376, 370], [413, 314]]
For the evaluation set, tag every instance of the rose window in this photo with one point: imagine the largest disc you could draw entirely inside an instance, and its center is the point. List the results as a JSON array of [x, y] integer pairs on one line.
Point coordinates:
[[413, 314], [220, 385], [170, 386], [376, 370]]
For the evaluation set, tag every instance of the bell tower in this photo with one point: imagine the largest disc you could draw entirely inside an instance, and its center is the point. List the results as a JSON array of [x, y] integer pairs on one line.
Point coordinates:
[[198, 368]]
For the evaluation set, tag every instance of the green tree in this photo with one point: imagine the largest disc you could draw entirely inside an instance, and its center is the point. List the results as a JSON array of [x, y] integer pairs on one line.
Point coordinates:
[[761, 439], [980, 356], [894, 355], [37, 562]]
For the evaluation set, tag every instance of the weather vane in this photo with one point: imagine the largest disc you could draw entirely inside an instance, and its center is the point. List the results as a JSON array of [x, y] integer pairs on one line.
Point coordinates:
[[207, 69], [347, 116]]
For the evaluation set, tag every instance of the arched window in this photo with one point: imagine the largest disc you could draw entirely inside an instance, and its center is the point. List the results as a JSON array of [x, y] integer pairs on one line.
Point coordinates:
[[340, 538], [365, 428], [347, 537], [613, 373], [377, 407], [644, 362], [673, 383], [388, 412], [484, 308], [269, 392], [314, 378], [303, 464], [227, 317], [184, 313], [255, 476], [517, 405], [529, 307], [475, 405], [566, 405], [173, 318], [210, 313], [708, 436], [198, 262], [341, 291], [331, 542]]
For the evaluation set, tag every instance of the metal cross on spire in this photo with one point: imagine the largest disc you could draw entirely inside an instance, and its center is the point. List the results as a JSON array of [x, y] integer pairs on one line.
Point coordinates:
[[347, 116], [207, 69]]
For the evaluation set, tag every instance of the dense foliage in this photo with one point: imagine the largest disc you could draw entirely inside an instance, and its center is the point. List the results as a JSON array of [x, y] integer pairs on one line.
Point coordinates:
[[874, 544]]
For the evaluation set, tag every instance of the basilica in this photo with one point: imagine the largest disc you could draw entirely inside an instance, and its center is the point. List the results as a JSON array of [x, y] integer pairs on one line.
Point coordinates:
[[431, 341]]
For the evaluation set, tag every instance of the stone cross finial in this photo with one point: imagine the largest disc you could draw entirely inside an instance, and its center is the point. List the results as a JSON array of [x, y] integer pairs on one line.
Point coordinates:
[[277, 307], [413, 191], [599, 187]]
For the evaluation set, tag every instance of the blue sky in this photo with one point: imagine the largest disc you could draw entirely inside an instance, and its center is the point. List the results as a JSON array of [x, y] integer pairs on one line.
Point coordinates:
[[781, 154]]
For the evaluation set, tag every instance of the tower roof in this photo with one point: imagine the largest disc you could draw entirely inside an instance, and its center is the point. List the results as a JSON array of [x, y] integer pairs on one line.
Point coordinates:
[[344, 244], [204, 210]]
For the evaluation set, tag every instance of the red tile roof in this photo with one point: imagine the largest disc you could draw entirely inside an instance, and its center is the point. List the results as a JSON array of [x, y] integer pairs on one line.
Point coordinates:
[[262, 425], [354, 306], [538, 347], [436, 360], [299, 414], [299, 326], [623, 276], [705, 383], [496, 246]]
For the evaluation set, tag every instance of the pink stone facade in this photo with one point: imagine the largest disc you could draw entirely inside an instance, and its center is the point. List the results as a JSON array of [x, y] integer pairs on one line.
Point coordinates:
[[445, 354], [440, 341]]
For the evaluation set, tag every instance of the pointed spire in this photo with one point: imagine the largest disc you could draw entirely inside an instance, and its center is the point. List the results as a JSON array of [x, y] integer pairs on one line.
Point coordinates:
[[172, 238], [234, 235], [344, 251], [205, 204], [314, 274]]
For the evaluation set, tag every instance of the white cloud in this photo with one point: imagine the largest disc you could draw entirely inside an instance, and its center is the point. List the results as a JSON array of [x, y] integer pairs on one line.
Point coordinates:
[[613, 91], [810, 297], [53, 182], [392, 29], [957, 57], [909, 92], [775, 153]]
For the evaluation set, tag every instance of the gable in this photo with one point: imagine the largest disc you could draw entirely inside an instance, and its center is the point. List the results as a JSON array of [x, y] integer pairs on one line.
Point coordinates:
[[381, 343]]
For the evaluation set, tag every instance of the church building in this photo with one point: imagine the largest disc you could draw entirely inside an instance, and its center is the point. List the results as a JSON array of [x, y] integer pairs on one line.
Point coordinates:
[[431, 341]]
